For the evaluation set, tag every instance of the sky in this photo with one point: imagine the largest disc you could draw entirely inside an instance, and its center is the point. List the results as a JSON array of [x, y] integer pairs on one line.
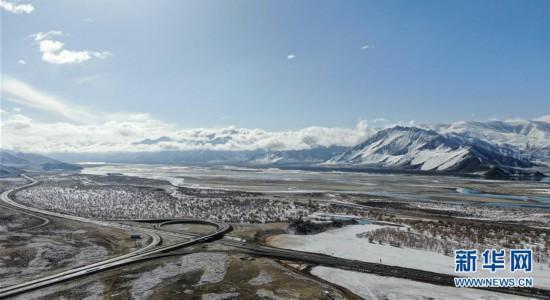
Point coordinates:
[[141, 69]]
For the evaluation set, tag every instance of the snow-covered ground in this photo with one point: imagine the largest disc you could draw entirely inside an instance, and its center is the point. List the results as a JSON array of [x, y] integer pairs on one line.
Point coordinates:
[[117, 201], [371, 286], [342, 242], [212, 264]]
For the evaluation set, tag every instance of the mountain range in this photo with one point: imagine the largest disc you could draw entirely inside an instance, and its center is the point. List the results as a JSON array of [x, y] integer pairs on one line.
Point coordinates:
[[499, 148], [315, 155], [426, 150]]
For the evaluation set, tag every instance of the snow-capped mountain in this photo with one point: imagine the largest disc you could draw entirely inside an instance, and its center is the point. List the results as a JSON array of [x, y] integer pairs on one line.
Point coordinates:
[[421, 149], [530, 137]]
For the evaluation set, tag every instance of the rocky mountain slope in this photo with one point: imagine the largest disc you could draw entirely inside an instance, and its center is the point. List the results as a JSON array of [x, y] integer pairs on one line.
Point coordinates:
[[14, 162], [427, 150]]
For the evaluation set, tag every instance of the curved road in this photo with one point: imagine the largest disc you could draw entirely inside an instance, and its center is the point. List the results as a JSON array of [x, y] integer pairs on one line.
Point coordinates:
[[134, 256], [45, 221], [5, 197]]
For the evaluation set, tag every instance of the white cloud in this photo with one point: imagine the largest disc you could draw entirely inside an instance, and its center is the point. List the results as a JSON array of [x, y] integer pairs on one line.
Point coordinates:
[[17, 122], [47, 46], [22, 62], [53, 51], [44, 35], [19, 92], [290, 56], [66, 57], [16, 109], [16, 8], [365, 47]]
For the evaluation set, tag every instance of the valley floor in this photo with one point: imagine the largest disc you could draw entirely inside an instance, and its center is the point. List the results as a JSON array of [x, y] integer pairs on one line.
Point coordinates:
[[407, 221]]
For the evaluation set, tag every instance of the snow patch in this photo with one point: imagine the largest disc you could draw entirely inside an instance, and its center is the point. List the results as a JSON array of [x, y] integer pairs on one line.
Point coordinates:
[[374, 287], [262, 278]]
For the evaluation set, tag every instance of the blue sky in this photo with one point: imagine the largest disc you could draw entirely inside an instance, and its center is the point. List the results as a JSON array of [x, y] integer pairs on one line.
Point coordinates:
[[280, 65]]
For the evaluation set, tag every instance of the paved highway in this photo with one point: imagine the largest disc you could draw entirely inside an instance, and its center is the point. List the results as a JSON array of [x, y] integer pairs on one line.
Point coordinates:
[[372, 268], [45, 221]]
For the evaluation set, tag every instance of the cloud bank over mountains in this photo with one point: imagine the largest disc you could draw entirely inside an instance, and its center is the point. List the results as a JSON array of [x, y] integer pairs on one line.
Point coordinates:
[[139, 132], [82, 130]]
